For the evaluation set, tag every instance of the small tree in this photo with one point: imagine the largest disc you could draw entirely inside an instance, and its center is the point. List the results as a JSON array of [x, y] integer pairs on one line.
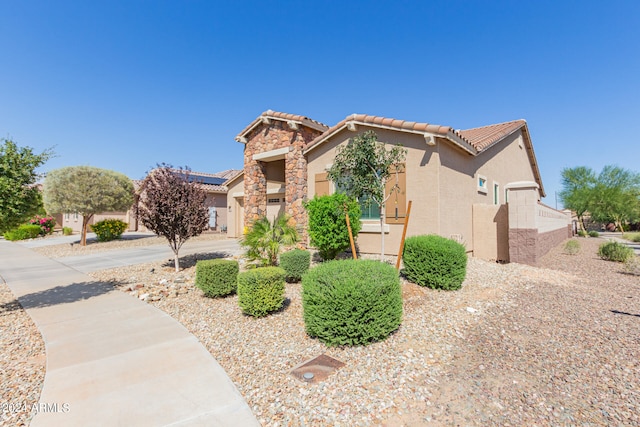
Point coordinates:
[[362, 168], [577, 190], [265, 239], [20, 199], [86, 190], [328, 225], [171, 206]]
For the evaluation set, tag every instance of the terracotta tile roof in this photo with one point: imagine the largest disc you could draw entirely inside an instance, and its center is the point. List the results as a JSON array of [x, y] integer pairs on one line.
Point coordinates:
[[286, 117], [401, 125], [484, 137]]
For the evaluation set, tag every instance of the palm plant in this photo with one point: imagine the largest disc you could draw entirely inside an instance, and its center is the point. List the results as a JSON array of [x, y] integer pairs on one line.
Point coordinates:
[[265, 239]]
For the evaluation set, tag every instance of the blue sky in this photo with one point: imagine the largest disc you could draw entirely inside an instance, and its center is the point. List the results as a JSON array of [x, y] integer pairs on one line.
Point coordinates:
[[124, 85]]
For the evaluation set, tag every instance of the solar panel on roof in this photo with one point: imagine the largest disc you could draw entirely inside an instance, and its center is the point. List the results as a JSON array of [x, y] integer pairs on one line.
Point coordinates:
[[206, 179]]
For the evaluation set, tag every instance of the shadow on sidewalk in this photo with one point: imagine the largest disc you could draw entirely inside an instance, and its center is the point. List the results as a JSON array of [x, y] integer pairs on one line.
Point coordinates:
[[58, 295]]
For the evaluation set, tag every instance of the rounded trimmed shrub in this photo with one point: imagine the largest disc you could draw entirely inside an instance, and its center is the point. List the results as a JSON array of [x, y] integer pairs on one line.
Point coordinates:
[[295, 263], [261, 290], [67, 231], [217, 277], [23, 232], [582, 233], [109, 229], [593, 233], [614, 251], [435, 262], [572, 247], [328, 230], [351, 302]]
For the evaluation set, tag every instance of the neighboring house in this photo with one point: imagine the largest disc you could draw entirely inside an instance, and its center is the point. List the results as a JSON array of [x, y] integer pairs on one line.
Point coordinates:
[[212, 183], [479, 186]]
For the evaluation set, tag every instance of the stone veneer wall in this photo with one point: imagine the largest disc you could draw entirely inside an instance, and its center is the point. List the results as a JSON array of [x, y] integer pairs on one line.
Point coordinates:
[[272, 137]]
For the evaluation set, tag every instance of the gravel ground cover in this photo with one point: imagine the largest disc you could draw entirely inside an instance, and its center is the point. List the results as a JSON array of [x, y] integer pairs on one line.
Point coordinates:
[[22, 361], [517, 345]]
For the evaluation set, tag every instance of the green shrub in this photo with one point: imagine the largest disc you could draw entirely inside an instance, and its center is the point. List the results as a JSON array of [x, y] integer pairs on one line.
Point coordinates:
[[614, 251], [67, 231], [295, 263], [23, 232], [351, 302], [109, 229], [261, 290], [435, 262], [632, 265], [572, 247], [328, 225], [582, 233], [217, 277], [593, 233]]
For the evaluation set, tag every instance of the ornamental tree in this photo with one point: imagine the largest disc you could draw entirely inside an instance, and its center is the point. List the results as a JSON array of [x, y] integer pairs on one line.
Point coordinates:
[[362, 168], [86, 190], [328, 230], [172, 206], [20, 199]]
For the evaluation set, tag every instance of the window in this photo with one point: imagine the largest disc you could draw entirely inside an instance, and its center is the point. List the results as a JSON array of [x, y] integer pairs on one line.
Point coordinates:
[[482, 184], [275, 200], [66, 215], [370, 212], [496, 193]]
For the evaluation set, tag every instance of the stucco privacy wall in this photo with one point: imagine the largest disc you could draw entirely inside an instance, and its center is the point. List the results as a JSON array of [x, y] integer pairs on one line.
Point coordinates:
[[491, 232], [534, 228]]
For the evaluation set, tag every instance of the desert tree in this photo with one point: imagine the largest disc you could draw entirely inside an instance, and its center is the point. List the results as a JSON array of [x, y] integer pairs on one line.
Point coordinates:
[[616, 196], [20, 198], [578, 190], [362, 168], [173, 206], [86, 190]]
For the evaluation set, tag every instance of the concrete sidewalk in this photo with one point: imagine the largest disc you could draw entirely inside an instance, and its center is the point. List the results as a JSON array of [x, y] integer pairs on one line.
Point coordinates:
[[113, 360]]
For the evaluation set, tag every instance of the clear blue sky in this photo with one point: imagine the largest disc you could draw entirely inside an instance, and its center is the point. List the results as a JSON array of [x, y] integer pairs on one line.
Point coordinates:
[[124, 85]]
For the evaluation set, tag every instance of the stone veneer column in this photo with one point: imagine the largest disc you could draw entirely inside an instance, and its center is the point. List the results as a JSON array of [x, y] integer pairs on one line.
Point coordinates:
[[270, 137], [523, 231]]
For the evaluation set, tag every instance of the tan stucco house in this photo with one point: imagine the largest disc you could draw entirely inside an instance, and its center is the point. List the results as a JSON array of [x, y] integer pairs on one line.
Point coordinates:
[[480, 186], [212, 183]]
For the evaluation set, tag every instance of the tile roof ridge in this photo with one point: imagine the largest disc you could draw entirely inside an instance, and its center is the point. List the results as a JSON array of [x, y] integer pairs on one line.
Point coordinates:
[[523, 121], [289, 116]]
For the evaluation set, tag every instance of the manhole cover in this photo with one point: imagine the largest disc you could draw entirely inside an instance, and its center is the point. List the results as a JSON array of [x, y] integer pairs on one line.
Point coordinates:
[[316, 369]]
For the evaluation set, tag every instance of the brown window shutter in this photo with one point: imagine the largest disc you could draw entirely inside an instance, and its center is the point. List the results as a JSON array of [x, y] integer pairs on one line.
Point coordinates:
[[322, 184], [396, 206]]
